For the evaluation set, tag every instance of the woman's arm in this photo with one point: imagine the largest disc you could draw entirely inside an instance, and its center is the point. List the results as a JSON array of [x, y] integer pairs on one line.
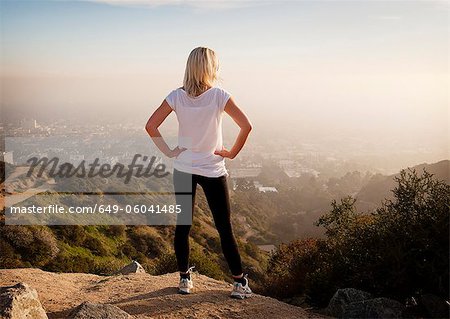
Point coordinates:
[[243, 122], [152, 126]]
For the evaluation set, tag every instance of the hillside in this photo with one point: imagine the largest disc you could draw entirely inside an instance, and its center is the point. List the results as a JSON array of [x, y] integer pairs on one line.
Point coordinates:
[[380, 186], [146, 296], [258, 219], [103, 249]]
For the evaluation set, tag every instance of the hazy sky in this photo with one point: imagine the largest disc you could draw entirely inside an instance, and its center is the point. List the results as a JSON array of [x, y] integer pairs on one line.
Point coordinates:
[[365, 68]]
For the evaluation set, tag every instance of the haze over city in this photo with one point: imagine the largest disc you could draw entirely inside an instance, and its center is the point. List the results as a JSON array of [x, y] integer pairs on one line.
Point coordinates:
[[369, 76]]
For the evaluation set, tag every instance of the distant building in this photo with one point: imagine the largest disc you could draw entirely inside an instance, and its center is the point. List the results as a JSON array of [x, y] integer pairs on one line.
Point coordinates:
[[267, 189], [257, 184], [28, 124], [244, 183], [7, 157]]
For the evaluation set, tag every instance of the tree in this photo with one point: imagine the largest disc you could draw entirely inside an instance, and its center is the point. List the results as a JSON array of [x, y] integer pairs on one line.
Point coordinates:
[[399, 250]]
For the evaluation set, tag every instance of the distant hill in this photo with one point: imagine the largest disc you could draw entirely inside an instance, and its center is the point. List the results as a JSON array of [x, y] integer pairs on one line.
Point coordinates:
[[379, 186]]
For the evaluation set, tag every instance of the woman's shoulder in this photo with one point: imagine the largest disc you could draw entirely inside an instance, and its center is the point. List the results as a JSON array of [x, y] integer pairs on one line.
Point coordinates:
[[178, 89], [221, 91], [176, 93], [215, 90], [222, 97]]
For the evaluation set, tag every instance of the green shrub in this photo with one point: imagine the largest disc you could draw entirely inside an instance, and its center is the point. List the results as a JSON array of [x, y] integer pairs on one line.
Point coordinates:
[[166, 263], [128, 250], [289, 267], [396, 251], [116, 231], [146, 241], [70, 263], [252, 250], [34, 244], [8, 257], [95, 245], [206, 264], [71, 234]]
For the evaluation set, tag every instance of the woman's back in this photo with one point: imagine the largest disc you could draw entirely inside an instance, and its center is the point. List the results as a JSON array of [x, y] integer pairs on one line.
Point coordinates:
[[200, 130], [199, 107]]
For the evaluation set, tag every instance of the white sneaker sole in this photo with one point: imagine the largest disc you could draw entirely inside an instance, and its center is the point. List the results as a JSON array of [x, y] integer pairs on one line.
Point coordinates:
[[237, 295], [184, 291]]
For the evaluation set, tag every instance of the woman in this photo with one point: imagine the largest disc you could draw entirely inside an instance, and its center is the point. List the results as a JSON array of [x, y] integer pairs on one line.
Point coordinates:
[[200, 157]]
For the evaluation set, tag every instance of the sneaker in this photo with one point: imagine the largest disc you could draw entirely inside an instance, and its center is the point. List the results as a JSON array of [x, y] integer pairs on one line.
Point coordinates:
[[241, 291], [186, 284]]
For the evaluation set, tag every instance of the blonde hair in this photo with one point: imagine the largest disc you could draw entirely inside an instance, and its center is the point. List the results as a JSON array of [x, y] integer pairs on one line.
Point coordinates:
[[201, 71]]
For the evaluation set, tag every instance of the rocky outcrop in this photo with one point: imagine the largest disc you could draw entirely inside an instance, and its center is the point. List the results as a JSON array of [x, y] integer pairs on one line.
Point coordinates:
[[20, 302], [374, 308], [132, 268], [434, 306], [89, 310], [354, 303], [342, 298]]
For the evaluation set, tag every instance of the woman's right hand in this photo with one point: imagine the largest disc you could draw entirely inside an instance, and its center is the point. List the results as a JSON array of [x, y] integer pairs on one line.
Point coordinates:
[[176, 151]]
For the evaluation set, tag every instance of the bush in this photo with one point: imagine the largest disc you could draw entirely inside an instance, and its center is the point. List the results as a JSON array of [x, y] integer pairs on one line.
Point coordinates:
[[146, 241], [116, 231], [289, 267], [396, 251], [166, 263], [70, 263], [205, 264], [203, 261], [71, 234], [34, 244], [252, 250], [8, 257], [128, 250], [412, 237], [95, 245]]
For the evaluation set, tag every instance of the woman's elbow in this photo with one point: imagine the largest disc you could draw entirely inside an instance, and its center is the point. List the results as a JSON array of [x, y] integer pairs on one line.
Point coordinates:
[[150, 128], [248, 127]]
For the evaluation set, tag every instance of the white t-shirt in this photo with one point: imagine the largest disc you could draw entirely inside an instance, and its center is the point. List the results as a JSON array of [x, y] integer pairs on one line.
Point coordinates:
[[200, 131]]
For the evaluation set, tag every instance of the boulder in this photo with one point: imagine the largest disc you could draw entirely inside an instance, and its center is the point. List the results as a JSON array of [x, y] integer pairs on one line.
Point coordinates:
[[436, 307], [342, 298], [374, 308], [88, 310], [20, 302], [132, 268]]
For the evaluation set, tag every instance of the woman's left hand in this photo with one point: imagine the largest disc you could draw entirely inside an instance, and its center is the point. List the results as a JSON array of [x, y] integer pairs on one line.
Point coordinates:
[[176, 151], [225, 153]]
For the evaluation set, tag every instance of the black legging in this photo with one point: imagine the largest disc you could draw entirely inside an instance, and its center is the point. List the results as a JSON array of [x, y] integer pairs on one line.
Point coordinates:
[[216, 192]]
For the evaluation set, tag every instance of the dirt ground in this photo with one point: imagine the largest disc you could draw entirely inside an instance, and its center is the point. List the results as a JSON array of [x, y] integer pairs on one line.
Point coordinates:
[[146, 296]]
